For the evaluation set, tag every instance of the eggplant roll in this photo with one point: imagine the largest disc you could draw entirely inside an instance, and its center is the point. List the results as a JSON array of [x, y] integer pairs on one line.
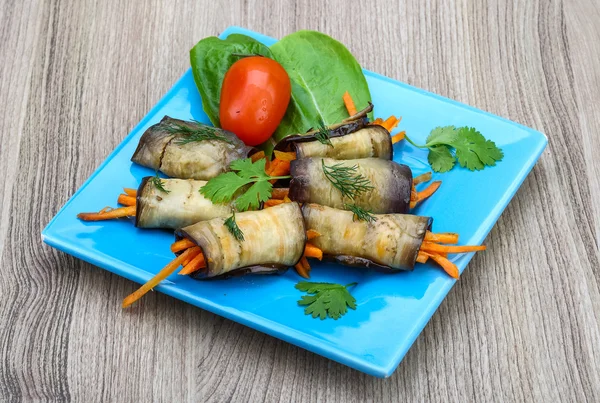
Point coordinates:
[[274, 239], [391, 242], [162, 149], [372, 141], [392, 183], [180, 206]]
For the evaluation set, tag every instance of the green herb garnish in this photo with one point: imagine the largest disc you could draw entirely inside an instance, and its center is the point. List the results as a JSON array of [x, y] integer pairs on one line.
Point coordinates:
[[200, 133], [158, 183], [232, 226], [327, 299], [225, 187], [360, 213], [472, 150], [346, 179], [322, 135]]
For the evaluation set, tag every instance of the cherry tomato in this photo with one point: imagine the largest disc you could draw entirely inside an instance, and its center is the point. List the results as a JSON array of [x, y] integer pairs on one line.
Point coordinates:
[[254, 97]]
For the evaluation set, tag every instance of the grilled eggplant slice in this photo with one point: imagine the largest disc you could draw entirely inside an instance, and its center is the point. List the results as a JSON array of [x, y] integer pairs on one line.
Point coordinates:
[[391, 242], [274, 239], [181, 205], [392, 183], [160, 148]]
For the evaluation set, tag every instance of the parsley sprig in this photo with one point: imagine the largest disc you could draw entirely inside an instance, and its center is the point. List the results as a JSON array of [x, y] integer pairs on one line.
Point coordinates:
[[471, 149], [360, 213], [158, 183], [346, 179], [326, 299], [201, 133], [232, 226], [228, 185]]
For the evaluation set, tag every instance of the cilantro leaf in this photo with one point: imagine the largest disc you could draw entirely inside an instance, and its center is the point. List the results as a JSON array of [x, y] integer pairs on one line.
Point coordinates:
[[227, 186], [472, 150], [440, 158], [327, 299]]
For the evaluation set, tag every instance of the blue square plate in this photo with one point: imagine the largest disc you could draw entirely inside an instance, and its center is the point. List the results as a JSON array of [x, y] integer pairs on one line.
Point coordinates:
[[391, 309]]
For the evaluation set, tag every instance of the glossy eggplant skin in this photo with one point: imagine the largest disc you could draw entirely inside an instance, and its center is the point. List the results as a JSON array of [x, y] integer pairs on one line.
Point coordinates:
[[180, 206], [162, 150], [389, 243], [274, 239], [392, 184], [369, 142]]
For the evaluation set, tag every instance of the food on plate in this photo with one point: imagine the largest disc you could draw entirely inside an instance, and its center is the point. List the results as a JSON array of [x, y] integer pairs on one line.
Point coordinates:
[[387, 241], [254, 97], [188, 150], [163, 203], [471, 149], [374, 184], [265, 241]]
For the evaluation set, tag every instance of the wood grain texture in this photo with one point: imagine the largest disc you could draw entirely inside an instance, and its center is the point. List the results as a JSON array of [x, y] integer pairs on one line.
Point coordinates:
[[523, 324]]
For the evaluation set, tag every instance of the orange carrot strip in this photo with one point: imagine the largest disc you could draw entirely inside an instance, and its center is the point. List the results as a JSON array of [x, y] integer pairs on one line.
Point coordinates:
[[256, 156], [273, 202], [279, 193], [160, 276], [108, 215], [182, 244], [422, 257], [130, 192], [446, 237], [350, 107], [126, 200], [195, 264], [377, 121], [433, 247], [301, 270], [389, 123], [305, 264], [279, 168], [428, 191], [285, 156], [447, 265], [312, 234], [287, 199], [398, 137], [426, 177], [311, 250]]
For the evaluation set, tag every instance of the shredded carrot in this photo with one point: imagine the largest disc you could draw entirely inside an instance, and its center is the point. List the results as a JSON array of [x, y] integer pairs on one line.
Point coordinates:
[[446, 237], [350, 107], [126, 200], [433, 247], [108, 215], [182, 244], [312, 234], [195, 264], [398, 137], [279, 193], [377, 121], [285, 156], [422, 257], [305, 264], [447, 265], [301, 270], [391, 122], [278, 168], [256, 156], [160, 276], [130, 192], [287, 199], [426, 177], [311, 250], [428, 191], [273, 202]]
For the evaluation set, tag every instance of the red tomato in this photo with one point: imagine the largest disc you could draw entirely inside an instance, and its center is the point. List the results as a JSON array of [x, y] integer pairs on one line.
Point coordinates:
[[254, 97]]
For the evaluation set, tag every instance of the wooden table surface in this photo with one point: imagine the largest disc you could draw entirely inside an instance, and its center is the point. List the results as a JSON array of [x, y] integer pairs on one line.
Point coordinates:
[[522, 324]]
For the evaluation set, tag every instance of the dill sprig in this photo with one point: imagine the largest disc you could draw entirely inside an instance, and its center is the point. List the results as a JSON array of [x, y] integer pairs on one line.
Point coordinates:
[[232, 226], [158, 183], [346, 179], [200, 133], [360, 213], [322, 135]]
